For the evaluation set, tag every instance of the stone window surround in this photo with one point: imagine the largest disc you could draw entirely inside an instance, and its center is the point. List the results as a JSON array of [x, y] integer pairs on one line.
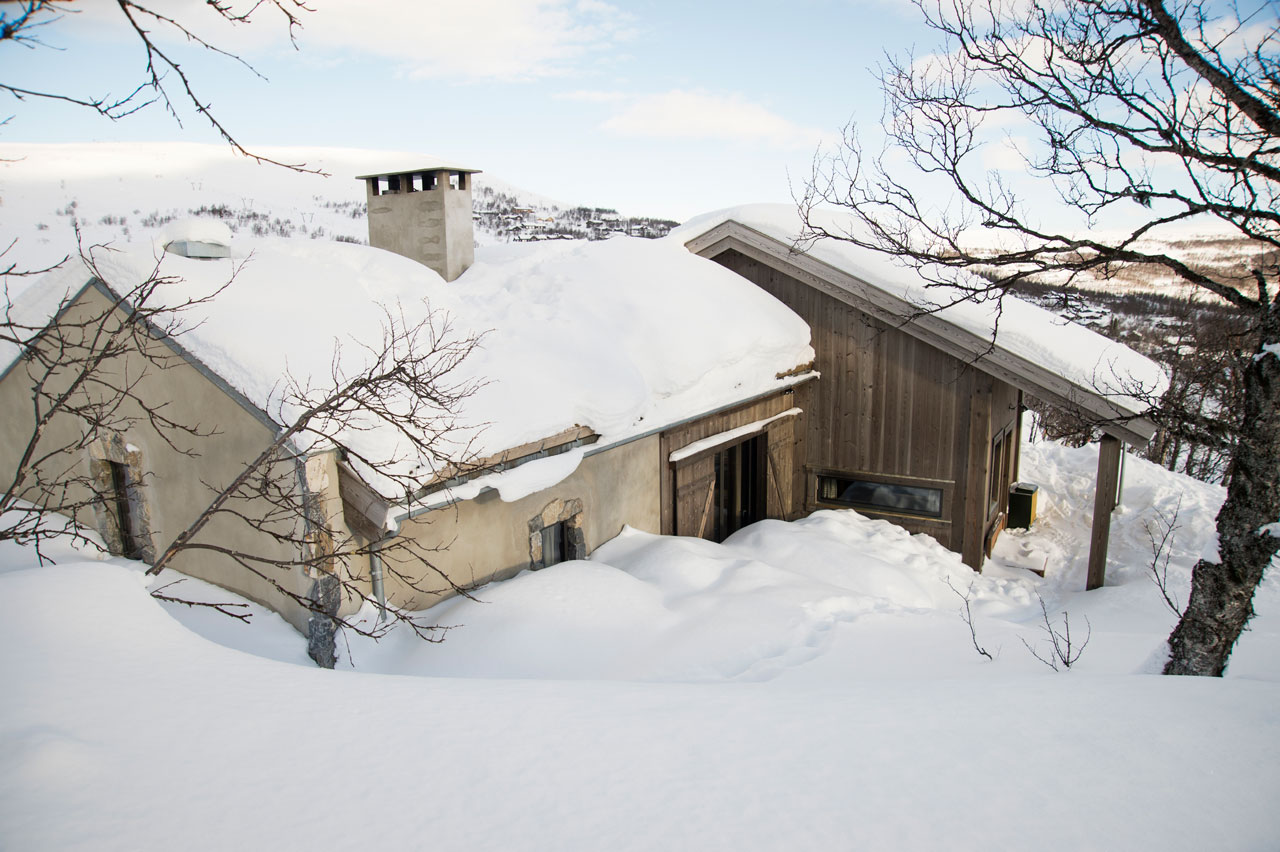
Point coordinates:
[[101, 453], [570, 513]]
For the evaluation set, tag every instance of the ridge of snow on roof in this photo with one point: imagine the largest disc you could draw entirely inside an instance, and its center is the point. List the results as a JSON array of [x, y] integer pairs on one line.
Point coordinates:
[[201, 230], [623, 336], [1079, 355]]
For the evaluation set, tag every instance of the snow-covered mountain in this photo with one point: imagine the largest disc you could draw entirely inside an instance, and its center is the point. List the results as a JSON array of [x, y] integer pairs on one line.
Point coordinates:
[[117, 192]]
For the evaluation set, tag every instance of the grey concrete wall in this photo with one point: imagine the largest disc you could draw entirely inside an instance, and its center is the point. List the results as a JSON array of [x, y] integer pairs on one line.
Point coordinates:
[[171, 489], [486, 539], [433, 227]]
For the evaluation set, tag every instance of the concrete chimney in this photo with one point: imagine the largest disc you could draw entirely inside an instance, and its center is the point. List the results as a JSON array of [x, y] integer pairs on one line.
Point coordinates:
[[424, 214]]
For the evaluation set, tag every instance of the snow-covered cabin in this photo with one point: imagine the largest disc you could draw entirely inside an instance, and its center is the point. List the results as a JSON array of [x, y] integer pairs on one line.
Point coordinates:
[[607, 371], [917, 415], [667, 385]]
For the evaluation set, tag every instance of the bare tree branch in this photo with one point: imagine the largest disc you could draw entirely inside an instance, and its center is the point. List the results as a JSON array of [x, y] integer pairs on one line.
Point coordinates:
[[1152, 113], [35, 18]]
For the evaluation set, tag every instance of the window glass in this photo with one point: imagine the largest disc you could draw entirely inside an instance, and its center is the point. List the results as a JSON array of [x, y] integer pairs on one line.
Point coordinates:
[[1001, 470], [997, 472], [124, 503], [553, 544], [893, 497]]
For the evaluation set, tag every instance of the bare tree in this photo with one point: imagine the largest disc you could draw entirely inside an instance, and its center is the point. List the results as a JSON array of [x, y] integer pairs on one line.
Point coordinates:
[[89, 359], [1148, 112], [162, 78], [80, 358], [88, 370], [1161, 534], [1063, 651], [406, 385], [966, 615]]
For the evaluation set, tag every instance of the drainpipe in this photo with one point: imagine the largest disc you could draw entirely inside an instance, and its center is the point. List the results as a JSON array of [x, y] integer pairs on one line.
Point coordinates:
[[375, 574]]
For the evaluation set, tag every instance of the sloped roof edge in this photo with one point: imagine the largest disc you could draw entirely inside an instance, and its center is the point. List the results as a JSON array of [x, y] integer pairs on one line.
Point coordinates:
[[934, 329], [93, 282]]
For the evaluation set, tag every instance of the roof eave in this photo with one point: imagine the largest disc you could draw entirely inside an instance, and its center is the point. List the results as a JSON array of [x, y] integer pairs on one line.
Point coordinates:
[[1112, 417]]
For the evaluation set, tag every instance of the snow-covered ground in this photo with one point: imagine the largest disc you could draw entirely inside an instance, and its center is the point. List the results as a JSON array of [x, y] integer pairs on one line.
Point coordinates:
[[802, 686]]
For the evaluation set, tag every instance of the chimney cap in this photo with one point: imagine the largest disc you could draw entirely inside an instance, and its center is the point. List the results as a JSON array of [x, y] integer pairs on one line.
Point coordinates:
[[433, 167]]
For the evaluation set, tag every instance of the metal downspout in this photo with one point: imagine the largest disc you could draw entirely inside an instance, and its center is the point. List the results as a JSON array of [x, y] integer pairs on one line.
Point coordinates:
[[375, 575]]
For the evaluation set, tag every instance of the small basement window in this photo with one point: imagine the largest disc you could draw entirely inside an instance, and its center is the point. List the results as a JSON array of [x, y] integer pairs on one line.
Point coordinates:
[[881, 496], [556, 534]]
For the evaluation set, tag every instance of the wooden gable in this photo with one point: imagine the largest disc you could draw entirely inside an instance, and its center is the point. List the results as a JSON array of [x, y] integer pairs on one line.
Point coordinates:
[[908, 403]]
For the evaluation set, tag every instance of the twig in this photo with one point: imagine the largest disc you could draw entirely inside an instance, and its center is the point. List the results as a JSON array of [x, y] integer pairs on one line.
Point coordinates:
[[1065, 653], [224, 607], [966, 615], [1162, 551]]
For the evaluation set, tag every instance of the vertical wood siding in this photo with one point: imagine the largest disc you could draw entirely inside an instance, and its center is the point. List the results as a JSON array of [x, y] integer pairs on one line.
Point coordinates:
[[890, 404]]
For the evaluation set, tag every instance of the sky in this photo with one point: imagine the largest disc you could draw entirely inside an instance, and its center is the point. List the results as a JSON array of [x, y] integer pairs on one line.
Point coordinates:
[[653, 107]]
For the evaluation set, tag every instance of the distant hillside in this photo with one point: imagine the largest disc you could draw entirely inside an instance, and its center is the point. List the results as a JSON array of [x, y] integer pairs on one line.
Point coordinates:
[[1197, 337], [117, 192], [1225, 257]]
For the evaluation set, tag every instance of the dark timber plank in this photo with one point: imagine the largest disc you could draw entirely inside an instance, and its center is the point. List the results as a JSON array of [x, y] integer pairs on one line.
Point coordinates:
[[1104, 502]]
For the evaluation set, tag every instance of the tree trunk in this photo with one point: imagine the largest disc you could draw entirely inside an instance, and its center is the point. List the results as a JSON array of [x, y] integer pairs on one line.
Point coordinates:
[[1221, 601]]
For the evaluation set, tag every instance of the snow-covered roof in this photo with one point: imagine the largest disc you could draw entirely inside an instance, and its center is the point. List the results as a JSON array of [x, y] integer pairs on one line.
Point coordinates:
[[623, 337], [194, 229], [1019, 342], [431, 166]]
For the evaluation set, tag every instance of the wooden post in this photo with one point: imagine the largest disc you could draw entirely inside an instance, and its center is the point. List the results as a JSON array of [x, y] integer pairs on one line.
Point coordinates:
[[1104, 502], [977, 473]]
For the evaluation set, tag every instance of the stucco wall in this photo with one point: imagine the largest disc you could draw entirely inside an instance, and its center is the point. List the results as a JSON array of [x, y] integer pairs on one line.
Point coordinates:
[[171, 486], [488, 539]]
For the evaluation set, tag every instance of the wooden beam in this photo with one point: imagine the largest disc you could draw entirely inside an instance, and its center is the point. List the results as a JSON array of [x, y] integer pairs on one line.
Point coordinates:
[[1104, 502], [973, 518]]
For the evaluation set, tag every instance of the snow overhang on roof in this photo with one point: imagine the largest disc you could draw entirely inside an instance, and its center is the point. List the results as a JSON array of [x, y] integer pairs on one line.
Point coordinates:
[[197, 249], [1061, 362], [203, 239]]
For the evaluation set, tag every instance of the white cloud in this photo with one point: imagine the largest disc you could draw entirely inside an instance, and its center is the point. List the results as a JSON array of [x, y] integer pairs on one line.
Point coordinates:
[[592, 96], [1011, 153], [475, 39], [696, 115], [460, 39]]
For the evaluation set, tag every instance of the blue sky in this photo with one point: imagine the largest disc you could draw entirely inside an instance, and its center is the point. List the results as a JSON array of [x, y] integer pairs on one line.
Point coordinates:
[[651, 106]]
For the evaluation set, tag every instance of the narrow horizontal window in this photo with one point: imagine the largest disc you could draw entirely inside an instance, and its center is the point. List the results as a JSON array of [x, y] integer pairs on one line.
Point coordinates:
[[882, 496]]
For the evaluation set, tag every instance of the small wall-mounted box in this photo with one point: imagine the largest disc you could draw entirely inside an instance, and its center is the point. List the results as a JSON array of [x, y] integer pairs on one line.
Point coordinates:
[[1022, 505]]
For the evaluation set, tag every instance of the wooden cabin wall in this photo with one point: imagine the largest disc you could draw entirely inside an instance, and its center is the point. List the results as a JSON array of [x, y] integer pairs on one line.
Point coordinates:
[[886, 403], [890, 405]]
